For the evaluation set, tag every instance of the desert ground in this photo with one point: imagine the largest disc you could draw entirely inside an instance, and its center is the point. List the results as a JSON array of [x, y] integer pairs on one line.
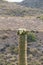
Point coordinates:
[[9, 40], [9, 48], [14, 23]]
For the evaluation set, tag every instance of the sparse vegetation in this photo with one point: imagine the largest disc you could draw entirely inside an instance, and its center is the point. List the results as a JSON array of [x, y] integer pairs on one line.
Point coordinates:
[[10, 55], [40, 17], [36, 62], [13, 9], [5, 36]]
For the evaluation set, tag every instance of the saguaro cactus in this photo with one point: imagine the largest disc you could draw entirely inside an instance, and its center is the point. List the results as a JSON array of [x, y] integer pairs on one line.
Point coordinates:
[[22, 47]]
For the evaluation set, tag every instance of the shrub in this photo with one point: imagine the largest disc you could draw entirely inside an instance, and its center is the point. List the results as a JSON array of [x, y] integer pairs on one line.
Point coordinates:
[[40, 17], [5, 36], [36, 62], [41, 58], [31, 37]]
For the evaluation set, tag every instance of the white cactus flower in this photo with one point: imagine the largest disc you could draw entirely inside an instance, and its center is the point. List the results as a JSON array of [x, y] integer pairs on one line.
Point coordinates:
[[21, 30]]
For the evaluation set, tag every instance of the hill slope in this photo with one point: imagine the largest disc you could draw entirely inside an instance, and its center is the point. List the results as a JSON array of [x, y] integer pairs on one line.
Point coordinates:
[[33, 3], [14, 9]]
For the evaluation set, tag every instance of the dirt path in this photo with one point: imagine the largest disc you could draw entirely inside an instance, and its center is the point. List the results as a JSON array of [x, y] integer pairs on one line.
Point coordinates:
[[20, 22]]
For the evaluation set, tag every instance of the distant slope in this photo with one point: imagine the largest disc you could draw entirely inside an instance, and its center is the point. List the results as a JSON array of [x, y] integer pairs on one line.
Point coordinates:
[[14, 9], [33, 3]]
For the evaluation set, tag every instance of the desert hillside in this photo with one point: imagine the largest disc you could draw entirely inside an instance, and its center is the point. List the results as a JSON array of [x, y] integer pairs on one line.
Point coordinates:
[[13, 16], [33, 3], [15, 9]]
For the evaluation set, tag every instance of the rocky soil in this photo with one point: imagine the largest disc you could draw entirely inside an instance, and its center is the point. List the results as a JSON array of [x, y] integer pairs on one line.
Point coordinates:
[[9, 48]]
